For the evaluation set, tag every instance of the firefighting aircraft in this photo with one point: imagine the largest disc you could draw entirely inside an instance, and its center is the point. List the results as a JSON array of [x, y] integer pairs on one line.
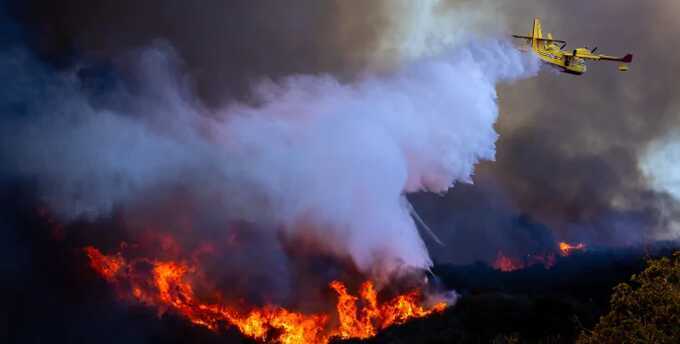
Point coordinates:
[[551, 51]]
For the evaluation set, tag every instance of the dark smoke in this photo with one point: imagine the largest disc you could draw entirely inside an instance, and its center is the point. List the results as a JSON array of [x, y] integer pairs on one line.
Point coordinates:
[[570, 147], [226, 45]]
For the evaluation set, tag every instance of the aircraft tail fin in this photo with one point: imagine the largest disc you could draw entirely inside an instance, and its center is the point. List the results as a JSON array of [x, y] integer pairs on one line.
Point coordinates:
[[537, 33], [535, 38]]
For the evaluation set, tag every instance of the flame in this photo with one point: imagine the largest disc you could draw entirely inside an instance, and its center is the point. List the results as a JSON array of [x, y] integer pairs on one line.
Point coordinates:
[[107, 266], [169, 287], [567, 249], [508, 264]]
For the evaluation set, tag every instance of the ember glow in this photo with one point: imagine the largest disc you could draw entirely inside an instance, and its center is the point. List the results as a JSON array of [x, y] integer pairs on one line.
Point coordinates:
[[168, 286], [567, 249], [106, 266], [507, 264]]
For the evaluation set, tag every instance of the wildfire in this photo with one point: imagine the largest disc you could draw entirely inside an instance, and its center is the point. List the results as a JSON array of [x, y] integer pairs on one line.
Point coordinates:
[[168, 286], [567, 249], [508, 264], [107, 266]]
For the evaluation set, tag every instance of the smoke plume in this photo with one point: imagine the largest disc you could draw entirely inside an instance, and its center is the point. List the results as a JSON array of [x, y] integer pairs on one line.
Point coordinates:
[[571, 148], [316, 158]]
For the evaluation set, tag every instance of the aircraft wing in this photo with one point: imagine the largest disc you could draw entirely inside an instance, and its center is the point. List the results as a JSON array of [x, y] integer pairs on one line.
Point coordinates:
[[583, 55], [627, 59], [590, 56], [540, 39]]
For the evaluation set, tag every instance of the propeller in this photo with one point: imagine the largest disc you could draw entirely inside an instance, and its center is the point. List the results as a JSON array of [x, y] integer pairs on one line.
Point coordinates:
[[594, 50]]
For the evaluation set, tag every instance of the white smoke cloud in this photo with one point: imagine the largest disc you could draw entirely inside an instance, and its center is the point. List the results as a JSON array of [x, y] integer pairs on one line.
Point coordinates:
[[430, 27], [332, 158], [660, 167]]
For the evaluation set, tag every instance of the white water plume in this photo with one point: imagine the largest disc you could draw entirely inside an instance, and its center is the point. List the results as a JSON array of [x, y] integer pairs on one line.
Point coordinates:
[[333, 158]]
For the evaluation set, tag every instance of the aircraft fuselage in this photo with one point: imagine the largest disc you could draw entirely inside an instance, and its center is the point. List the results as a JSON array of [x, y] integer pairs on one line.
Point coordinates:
[[572, 62], [556, 58]]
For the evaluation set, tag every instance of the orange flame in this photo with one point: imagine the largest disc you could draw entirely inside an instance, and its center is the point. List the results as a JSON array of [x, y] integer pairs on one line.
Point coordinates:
[[567, 249], [107, 266], [169, 287], [508, 264]]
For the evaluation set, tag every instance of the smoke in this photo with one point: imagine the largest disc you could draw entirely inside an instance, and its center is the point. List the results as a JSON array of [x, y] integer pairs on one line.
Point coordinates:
[[657, 165], [659, 168], [316, 159], [571, 147], [228, 46]]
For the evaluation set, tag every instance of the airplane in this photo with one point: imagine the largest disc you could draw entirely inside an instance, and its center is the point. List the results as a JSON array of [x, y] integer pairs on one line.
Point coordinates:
[[551, 51]]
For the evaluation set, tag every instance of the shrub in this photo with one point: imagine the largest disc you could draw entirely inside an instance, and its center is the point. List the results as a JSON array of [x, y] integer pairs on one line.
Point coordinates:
[[645, 310]]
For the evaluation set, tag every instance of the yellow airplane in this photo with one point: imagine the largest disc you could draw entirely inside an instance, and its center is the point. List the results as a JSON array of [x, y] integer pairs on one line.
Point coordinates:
[[574, 62]]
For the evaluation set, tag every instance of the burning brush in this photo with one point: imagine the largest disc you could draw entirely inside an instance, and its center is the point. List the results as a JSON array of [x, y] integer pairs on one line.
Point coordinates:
[[507, 264], [171, 285], [566, 249]]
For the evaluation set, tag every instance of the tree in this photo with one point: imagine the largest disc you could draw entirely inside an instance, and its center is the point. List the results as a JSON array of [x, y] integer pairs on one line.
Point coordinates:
[[645, 310]]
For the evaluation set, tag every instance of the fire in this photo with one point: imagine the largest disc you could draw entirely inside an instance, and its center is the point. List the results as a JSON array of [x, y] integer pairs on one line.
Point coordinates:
[[107, 266], [364, 322], [508, 264], [566, 248], [169, 286]]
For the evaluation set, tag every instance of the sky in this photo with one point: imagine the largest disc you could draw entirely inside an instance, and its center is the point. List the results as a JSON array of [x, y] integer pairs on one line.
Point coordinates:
[[587, 158]]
